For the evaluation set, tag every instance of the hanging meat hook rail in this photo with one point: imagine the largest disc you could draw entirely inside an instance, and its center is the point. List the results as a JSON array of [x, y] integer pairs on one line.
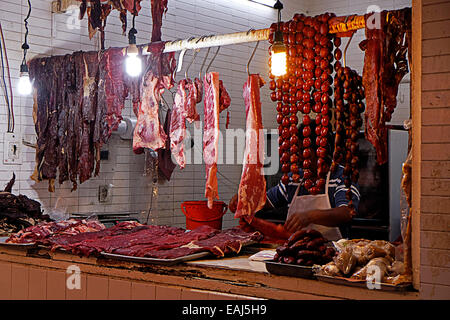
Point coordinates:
[[336, 25]]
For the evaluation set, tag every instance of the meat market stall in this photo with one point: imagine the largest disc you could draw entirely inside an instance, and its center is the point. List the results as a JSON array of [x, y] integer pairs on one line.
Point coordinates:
[[78, 103]]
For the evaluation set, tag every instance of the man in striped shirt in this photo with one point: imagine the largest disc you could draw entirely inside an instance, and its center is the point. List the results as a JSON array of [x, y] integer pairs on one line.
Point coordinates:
[[279, 198]]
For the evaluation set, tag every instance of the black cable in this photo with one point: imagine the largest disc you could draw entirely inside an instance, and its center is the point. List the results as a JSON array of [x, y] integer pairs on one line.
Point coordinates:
[[5, 89], [133, 31], [25, 45]]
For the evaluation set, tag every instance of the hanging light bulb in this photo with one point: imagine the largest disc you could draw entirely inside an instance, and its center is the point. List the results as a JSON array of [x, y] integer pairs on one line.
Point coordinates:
[[133, 63], [278, 50], [24, 86]]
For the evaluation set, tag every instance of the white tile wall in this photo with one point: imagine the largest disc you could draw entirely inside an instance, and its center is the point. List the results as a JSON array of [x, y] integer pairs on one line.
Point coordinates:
[[53, 34]]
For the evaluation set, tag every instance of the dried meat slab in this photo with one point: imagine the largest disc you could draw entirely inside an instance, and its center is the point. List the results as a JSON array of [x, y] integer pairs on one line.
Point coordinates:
[[252, 187], [211, 134], [178, 117]]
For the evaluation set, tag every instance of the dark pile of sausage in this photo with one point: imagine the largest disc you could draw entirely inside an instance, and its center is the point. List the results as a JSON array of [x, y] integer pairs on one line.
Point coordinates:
[[306, 88], [306, 248]]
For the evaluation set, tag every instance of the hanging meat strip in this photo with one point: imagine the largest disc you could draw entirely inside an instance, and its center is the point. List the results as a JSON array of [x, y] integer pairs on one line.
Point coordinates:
[[211, 135], [252, 188], [165, 164], [159, 7], [88, 113], [384, 67], [178, 124], [148, 132], [112, 91], [192, 100]]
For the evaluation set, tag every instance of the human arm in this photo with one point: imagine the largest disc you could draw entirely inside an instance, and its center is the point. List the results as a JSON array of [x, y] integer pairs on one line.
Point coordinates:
[[333, 217]]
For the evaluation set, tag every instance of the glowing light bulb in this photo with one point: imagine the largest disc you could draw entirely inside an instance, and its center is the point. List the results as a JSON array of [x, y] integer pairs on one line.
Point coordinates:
[[133, 63], [24, 86], [279, 56], [279, 66]]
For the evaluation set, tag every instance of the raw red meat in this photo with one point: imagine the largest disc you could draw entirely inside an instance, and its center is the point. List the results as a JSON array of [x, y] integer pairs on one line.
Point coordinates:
[[252, 188], [199, 87], [224, 102], [224, 97], [112, 92], [65, 241], [178, 124], [194, 94], [211, 135], [148, 132], [159, 7], [48, 229]]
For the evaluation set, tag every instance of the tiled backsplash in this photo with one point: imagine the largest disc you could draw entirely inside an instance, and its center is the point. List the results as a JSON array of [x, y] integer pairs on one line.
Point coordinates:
[[52, 34]]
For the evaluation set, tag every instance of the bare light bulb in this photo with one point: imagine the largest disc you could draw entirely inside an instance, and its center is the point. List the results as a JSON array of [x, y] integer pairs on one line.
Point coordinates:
[[133, 63], [278, 66], [24, 86], [278, 56]]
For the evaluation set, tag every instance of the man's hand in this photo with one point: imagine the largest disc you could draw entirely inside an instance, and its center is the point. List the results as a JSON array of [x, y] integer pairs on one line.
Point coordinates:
[[298, 221], [232, 206]]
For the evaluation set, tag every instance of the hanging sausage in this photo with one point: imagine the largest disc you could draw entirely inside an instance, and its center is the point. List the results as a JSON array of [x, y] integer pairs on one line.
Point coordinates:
[[306, 88]]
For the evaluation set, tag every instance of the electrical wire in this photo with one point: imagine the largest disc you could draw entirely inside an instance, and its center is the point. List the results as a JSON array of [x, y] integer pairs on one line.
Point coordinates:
[[25, 46], [8, 97]]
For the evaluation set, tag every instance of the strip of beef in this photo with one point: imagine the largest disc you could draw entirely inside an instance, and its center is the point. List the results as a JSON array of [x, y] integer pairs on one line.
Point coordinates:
[[112, 92], [194, 96], [211, 135], [166, 242], [373, 60], [40, 73], [165, 163], [384, 66], [199, 87], [48, 229], [141, 235], [224, 102], [148, 132], [159, 7], [65, 241], [177, 132], [252, 188], [66, 79], [86, 161]]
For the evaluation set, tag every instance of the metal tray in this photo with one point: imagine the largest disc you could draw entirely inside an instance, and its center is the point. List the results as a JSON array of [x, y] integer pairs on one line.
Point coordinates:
[[19, 245], [166, 262], [362, 283], [289, 270]]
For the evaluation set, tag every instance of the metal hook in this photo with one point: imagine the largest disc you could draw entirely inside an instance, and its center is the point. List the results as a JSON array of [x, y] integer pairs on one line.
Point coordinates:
[[196, 51], [251, 57], [180, 60], [345, 50], [209, 65], [204, 60]]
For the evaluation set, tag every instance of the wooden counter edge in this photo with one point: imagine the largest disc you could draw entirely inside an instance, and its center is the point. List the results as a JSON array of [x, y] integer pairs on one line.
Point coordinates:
[[220, 279]]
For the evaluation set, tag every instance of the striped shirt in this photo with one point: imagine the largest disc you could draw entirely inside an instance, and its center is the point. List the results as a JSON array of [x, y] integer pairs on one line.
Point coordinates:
[[281, 195]]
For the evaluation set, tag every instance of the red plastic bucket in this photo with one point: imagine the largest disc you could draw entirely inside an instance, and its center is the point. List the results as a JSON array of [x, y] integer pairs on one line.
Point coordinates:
[[198, 214]]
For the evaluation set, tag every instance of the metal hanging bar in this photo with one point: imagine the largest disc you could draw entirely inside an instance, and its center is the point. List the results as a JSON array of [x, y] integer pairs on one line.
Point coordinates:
[[336, 25]]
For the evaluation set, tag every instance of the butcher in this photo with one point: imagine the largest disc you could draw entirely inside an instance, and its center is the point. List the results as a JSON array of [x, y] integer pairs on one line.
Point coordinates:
[[327, 212]]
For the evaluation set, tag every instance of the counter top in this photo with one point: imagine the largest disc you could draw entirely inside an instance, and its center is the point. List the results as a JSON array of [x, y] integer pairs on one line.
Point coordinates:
[[234, 275]]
